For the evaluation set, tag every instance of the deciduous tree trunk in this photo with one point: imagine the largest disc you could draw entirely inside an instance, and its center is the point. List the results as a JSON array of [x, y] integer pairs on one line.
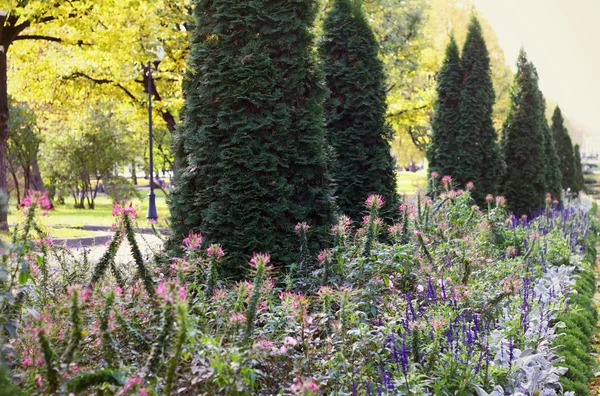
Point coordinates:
[[3, 132]]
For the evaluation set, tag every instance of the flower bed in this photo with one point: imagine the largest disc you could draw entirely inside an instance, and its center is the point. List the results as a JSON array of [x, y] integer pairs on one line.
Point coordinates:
[[449, 300]]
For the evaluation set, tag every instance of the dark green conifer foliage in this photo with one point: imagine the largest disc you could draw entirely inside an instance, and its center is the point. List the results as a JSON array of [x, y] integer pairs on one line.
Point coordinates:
[[355, 111], [251, 147], [479, 159], [564, 150], [445, 126], [578, 169], [524, 181], [553, 176]]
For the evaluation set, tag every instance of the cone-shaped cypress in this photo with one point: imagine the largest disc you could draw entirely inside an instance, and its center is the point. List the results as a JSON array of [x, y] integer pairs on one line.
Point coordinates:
[[479, 159], [578, 169], [553, 177], [564, 150], [251, 147], [524, 181], [355, 111], [445, 126]]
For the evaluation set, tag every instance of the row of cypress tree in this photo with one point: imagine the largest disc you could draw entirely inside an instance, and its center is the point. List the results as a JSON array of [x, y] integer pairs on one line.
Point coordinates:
[[264, 144], [531, 158]]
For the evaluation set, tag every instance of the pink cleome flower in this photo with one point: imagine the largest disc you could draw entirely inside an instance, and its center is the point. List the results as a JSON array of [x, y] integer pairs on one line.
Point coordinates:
[[215, 251], [374, 201], [500, 201], [470, 186], [129, 210], [301, 227], [324, 255], [489, 198], [447, 179], [36, 197], [434, 175], [192, 241], [265, 258]]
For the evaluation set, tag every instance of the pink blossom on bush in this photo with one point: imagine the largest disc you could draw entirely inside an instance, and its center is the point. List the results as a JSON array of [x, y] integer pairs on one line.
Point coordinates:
[[181, 293], [219, 295], [237, 317], [129, 210], [470, 186], [489, 198], [500, 201], [192, 241], [434, 175], [301, 226], [304, 385], [260, 257], [131, 382], [374, 201], [215, 251], [324, 255], [290, 341]]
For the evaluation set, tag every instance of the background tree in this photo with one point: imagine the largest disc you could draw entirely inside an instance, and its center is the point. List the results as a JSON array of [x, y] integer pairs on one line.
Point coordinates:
[[355, 111], [578, 169], [524, 182], [479, 159], [564, 150], [445, 126], [84, 51], [552, 170], [86, 153], [252, 143], [23, 148]]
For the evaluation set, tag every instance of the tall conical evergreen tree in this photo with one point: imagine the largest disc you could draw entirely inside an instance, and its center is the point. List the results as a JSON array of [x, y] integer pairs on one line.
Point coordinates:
[[524, 181], [251, 147], [479, 159], [355, 111], [564, 150], [578, 169], [552, 171], [445, 126]]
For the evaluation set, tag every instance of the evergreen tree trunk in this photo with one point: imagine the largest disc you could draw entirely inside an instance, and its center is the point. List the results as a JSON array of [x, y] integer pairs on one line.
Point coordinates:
[[355, 112]]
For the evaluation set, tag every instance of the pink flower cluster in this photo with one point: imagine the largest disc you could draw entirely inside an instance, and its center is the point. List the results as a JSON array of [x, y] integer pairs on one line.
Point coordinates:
[[215, 251], [166, 291], [132, 383], [305, 386], [447, 181], [129, 210], [192, 241], [301, 227], [342, 226], [36, 197], [374, 201], [265, 258], [324, 255]]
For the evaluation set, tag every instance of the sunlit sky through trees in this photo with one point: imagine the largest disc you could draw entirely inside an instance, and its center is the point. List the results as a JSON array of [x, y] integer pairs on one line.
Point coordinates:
[[562, 39]]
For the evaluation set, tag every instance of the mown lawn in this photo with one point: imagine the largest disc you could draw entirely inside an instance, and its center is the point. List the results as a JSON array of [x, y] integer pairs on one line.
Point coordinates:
[[410, 182], [66, 215]]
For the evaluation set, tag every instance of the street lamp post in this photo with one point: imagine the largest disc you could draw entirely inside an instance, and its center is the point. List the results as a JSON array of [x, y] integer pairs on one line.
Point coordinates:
[[152, 215]]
